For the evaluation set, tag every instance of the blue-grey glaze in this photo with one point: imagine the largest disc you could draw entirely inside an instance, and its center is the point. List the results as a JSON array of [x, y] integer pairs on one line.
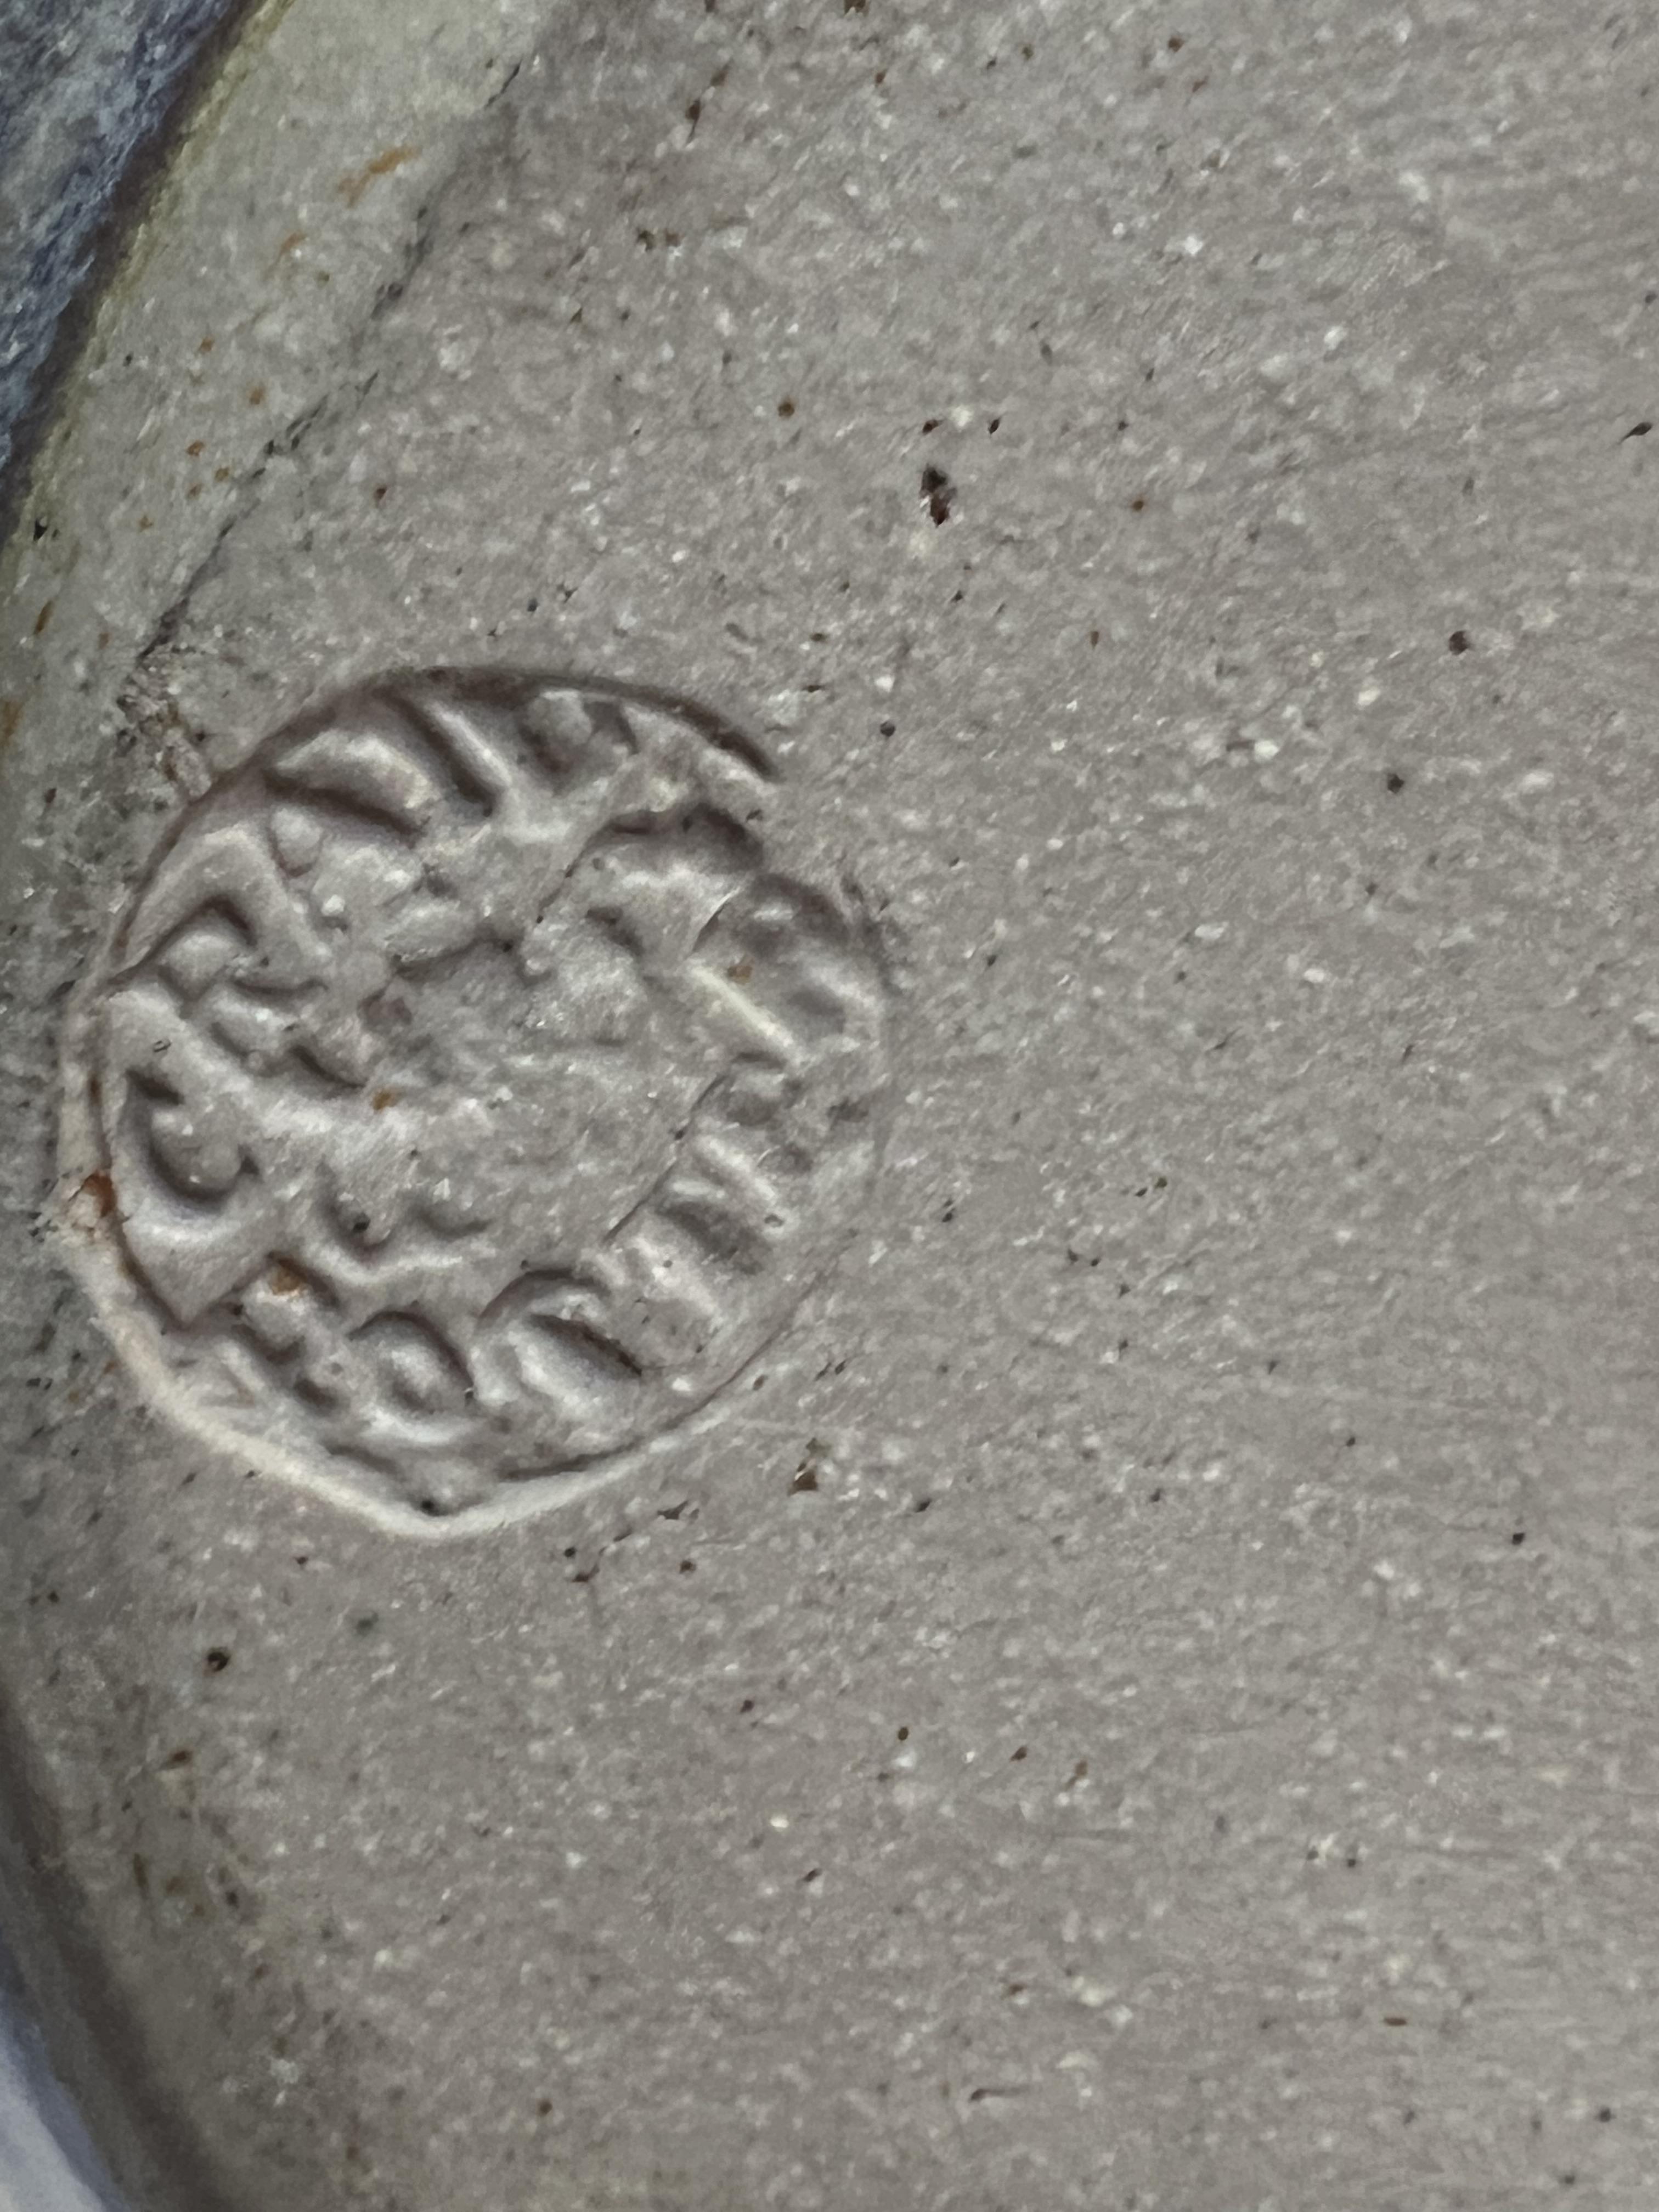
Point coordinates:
[[85, 87]]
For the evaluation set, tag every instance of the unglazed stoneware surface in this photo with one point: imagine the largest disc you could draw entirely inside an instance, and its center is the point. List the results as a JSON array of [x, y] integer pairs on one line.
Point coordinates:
[[829, 1240]]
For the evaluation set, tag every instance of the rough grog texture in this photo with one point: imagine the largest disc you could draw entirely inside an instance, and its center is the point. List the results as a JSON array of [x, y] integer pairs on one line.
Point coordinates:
[[1140, 1695]]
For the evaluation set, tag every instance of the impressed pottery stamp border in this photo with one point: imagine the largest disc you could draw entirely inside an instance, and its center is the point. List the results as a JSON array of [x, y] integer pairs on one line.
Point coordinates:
[[467, 1092]]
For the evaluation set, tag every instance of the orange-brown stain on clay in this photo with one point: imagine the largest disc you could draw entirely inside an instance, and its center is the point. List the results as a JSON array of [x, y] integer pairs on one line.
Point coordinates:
[[352, 188], [285, 1280], [195, 446], [256, 395], [100, 1187], [11, 714], [144, 523], [741, 971], [206, 346], [295, 240], [382, 1099], [221, 476], [44, 617]]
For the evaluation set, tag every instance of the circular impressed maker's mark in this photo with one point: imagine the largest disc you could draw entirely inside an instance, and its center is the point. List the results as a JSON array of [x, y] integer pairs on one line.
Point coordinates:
[[468, 1091]]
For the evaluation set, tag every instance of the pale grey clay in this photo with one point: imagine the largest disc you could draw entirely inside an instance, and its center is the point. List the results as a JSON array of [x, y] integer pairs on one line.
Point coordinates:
[[828, 1259]]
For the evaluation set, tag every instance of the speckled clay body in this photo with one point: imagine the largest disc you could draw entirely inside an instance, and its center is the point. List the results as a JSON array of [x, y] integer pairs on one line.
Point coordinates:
[[1132, 1691]]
